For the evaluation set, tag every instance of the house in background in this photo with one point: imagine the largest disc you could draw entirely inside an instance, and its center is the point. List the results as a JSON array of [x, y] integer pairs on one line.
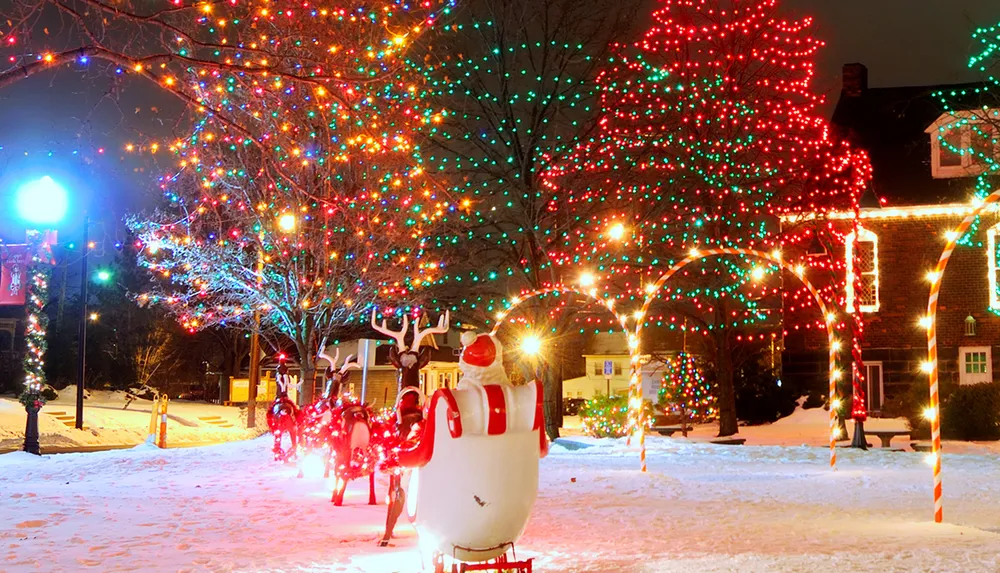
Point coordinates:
[[611, 349], [920, 191]]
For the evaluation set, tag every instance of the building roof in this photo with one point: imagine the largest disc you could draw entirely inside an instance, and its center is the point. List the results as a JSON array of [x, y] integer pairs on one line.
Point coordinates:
[[890, 123]]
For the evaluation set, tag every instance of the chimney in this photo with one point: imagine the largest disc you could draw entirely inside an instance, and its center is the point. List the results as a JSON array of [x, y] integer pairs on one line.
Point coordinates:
[[855, 78]]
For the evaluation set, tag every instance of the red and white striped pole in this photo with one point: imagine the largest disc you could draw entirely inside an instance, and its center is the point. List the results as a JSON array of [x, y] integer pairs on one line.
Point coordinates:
[[831, 336], [163, 422], [931, 366]]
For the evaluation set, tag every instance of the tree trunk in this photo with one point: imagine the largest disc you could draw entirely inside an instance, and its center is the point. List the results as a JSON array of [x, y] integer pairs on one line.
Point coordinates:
[[724, 382], [307, 376], [551, 395]]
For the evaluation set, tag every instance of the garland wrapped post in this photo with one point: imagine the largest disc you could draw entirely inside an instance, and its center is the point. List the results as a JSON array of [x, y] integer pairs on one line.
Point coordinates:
[[35, 336]]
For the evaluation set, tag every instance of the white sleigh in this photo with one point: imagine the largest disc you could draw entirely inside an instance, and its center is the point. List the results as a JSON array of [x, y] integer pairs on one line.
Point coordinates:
[[475, 469]]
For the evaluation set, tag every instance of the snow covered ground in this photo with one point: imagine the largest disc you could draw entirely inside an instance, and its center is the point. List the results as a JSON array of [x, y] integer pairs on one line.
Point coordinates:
[[106, 423], [701, 507]]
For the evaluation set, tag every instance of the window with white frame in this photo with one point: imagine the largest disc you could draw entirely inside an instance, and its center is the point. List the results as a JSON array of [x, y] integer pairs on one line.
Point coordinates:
[[862, 271], [991, 262], [963, 143], [975, 364]]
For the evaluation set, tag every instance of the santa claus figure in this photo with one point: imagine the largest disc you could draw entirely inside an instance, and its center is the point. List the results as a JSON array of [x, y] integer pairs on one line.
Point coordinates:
[[481, 362], [474, 476]]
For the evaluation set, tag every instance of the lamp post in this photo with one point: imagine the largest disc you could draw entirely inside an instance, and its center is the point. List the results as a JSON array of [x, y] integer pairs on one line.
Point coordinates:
[[41, 204], [81, 355]]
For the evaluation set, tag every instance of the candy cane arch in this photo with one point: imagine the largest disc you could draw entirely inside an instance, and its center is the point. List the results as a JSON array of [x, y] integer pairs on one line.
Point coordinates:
[[775, 258], [931, 366]]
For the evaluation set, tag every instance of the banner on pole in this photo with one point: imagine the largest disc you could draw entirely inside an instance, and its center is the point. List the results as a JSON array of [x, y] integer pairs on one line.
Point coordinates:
[[13, 274]]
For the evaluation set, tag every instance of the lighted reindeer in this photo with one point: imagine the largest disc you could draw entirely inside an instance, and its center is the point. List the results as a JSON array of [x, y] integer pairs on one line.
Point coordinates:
[[336, 379], [408, 361], [282, 417], [350, 432]]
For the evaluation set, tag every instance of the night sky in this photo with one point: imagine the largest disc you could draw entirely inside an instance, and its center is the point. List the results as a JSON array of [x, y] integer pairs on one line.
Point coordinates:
[[903, 42]]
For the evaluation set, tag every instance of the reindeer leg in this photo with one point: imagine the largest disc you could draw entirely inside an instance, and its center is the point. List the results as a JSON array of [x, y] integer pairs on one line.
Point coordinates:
[[371, 489], [276, 450], [336, 490], [397, 500]]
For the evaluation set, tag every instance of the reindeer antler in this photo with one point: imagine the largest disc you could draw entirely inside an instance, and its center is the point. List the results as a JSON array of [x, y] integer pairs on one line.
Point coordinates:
[[444, 322], [348, 364], [332, 361], [400, 336]]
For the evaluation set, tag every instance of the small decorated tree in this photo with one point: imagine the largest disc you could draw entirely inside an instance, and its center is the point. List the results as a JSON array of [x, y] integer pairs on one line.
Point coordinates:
[[685, 391], [607, 416]]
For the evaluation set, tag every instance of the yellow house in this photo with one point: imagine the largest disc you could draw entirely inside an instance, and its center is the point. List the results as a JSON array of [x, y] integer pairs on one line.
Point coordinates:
[[267, 389], [597, 382]]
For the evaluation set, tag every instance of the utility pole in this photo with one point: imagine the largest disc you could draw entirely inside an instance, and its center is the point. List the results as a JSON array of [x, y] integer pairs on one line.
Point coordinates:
[[255, 346], [81, 365], [254, 373]]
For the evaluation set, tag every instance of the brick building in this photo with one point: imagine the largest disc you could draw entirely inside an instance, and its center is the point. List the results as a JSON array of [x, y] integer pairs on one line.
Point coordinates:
[[920, 191]]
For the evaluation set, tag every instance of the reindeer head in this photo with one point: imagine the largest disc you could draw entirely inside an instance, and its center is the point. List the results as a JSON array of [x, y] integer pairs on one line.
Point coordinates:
[[409, 360], [335, 379]]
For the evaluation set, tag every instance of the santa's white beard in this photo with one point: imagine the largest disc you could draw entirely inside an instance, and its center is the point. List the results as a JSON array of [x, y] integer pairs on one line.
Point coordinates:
[[482, 375]]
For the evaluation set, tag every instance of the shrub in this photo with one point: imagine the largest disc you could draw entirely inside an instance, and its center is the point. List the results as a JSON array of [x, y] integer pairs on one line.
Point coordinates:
[[972, 413], [49, 393], [916, 400], [607, 416], [761, 398], [815, 400]]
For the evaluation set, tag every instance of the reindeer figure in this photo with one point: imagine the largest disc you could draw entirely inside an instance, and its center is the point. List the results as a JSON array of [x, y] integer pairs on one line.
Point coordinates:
[[408, 362], [341, 426], [336, 379], [282, 417]]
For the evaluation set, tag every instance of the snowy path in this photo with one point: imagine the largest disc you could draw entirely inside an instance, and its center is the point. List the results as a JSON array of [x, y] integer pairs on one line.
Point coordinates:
[[700, 508]]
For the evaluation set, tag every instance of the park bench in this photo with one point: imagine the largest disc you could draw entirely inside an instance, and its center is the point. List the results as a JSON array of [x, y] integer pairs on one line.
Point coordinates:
[[887, 435], [729, 441], [667, 430]]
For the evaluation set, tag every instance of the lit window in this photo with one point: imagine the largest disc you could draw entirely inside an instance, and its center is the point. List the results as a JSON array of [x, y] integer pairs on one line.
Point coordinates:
[[975, 364], [866, 271], [963, 144], [991, 261]]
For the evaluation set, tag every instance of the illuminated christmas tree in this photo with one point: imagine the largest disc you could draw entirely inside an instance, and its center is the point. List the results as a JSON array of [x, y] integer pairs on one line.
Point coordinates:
[[297, 199], [710, 132], [517, 81], [685, 391]]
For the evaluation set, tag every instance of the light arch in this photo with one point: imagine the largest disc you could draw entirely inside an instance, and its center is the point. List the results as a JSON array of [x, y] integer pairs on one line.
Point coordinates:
[[634, 335], [931, 366], [829, 318]]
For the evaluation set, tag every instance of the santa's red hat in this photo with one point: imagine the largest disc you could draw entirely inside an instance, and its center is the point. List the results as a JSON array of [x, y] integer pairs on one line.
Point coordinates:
[[478, 350]]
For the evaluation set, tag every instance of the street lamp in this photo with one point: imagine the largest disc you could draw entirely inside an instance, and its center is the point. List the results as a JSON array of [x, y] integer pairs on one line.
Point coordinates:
[[616, 231], [41, 204], [531, 345], [287, 222]]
